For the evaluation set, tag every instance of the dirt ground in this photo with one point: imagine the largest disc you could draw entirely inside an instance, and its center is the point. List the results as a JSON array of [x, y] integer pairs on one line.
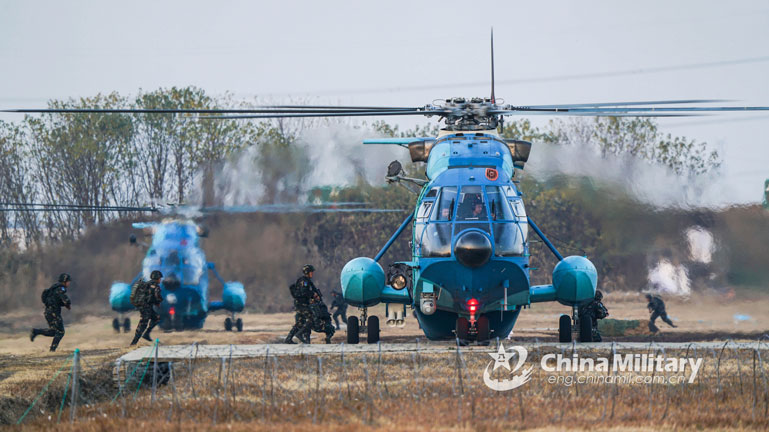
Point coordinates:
[[701, 317]]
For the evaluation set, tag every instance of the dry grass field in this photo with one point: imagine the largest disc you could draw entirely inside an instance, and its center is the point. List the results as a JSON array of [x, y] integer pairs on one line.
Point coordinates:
[[407, 391]]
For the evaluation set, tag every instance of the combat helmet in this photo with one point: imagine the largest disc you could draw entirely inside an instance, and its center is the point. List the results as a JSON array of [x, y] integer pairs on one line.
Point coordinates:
[[307, 269], [64, 277], [156, 275]]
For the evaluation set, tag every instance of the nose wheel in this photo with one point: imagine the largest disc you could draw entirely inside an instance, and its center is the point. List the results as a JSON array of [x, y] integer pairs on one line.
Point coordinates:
[[371, 328], [230, 324], [479, 330]]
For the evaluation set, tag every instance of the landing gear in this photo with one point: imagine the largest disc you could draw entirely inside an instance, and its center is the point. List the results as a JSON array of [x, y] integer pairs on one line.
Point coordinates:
[[372, 330], [482, 328], [462, 328], [126, 325], [231, 323], [353, 330], [239, 324], [228, 324], [585, 330], [564, 329]]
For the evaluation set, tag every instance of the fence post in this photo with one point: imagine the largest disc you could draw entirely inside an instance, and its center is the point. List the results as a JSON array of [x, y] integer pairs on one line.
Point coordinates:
[[75, 370], [155, 371]]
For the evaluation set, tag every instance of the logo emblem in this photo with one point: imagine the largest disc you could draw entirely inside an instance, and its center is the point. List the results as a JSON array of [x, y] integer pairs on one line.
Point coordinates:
[[491, 174], [501, 358]]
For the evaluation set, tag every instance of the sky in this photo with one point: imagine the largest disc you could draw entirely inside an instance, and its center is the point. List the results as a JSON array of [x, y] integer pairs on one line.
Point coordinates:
[[409, 53]]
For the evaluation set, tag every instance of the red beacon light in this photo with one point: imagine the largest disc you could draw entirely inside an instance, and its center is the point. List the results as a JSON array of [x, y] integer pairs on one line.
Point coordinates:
[[472, 304], [172, 311]]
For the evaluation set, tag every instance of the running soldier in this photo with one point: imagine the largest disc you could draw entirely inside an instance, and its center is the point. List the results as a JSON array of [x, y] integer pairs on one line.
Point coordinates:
[[657, 309], [54, 298], [341, 308], [594, 311], [303, 291], [145, 296]]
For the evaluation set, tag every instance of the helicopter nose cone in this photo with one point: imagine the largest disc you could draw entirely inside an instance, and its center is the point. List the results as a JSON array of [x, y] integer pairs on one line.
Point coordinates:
[[472, 249]]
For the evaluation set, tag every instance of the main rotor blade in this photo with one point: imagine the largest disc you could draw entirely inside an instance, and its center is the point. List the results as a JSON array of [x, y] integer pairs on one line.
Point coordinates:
[[291, 208], [258, 110], [328, 114], [632, 110], [12, 208], [616, 104]]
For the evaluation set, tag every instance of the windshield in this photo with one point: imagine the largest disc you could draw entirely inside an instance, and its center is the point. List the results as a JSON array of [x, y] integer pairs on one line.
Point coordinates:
[[472, 206], [448, 198], [498, 205]]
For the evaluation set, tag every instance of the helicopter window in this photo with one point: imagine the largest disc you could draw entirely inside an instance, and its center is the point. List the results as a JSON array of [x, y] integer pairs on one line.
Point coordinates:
[[446, 204], [436, 240], [508, 239], [433, 192], [461, 227], [471, 206], [424, 210], [498, 205]]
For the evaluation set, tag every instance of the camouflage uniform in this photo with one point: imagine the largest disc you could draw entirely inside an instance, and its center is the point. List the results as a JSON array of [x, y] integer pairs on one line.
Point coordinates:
[[55, 300], [151, 298], [657, 308], [594, 311], [341, 308], [302, 293]]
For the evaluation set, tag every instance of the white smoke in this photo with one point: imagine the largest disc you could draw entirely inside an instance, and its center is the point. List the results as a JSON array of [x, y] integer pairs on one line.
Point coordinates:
[[649, 183], [701, 244], [667, 278], [339, 157], [335, 156]]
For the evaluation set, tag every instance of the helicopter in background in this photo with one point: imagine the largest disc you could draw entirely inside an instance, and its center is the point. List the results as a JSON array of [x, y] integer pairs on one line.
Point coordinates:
[[175, 251], [468, 276]]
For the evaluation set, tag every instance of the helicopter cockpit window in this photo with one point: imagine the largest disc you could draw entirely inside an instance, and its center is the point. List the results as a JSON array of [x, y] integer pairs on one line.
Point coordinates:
[[446, 203], [424, 211], [433, 192], [471, 205], [498, 205]]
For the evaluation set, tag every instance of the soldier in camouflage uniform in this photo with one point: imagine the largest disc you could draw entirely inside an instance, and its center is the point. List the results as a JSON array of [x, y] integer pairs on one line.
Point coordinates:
[[302, 292], [54, 298], [657, 308], [341, 308], [147, 297], [594, 311]]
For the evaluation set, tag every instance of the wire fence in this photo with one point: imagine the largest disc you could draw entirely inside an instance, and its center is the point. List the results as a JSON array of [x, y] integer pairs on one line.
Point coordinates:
[[421, 387]]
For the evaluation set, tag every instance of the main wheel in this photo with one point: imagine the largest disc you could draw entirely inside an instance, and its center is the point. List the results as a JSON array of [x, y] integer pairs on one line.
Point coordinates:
[[462, 328], [228, 324], [353, 330], [564, 329], [178, 323], [116, 325], [484, 334], [585, 330], [372, 335], [126, 325], [239, 324]]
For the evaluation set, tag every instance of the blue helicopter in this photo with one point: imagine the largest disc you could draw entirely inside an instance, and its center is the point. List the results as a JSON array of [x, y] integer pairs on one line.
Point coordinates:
[[175, 251], [468, 276]]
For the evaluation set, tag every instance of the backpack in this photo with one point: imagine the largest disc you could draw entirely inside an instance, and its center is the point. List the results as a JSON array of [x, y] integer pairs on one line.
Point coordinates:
[[294, 290], [138, 294], [47, 295]]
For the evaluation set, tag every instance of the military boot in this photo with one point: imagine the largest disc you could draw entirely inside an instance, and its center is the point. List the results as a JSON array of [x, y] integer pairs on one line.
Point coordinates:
[[328, 339], [304, 337], [136, 339], [290, 338], [32, 335]]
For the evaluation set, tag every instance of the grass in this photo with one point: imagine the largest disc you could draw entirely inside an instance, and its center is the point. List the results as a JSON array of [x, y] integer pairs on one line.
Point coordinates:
[[397, 390]]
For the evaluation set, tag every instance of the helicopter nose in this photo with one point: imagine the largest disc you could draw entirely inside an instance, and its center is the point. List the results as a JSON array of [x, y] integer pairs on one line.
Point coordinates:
[[472, 249]]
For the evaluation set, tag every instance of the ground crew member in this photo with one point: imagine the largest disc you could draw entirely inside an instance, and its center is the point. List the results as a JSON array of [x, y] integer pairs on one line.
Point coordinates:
[[303, 290], [657, 308], [145, 297], [320, 319], [54, 298], [341, 308], [594, 311]]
